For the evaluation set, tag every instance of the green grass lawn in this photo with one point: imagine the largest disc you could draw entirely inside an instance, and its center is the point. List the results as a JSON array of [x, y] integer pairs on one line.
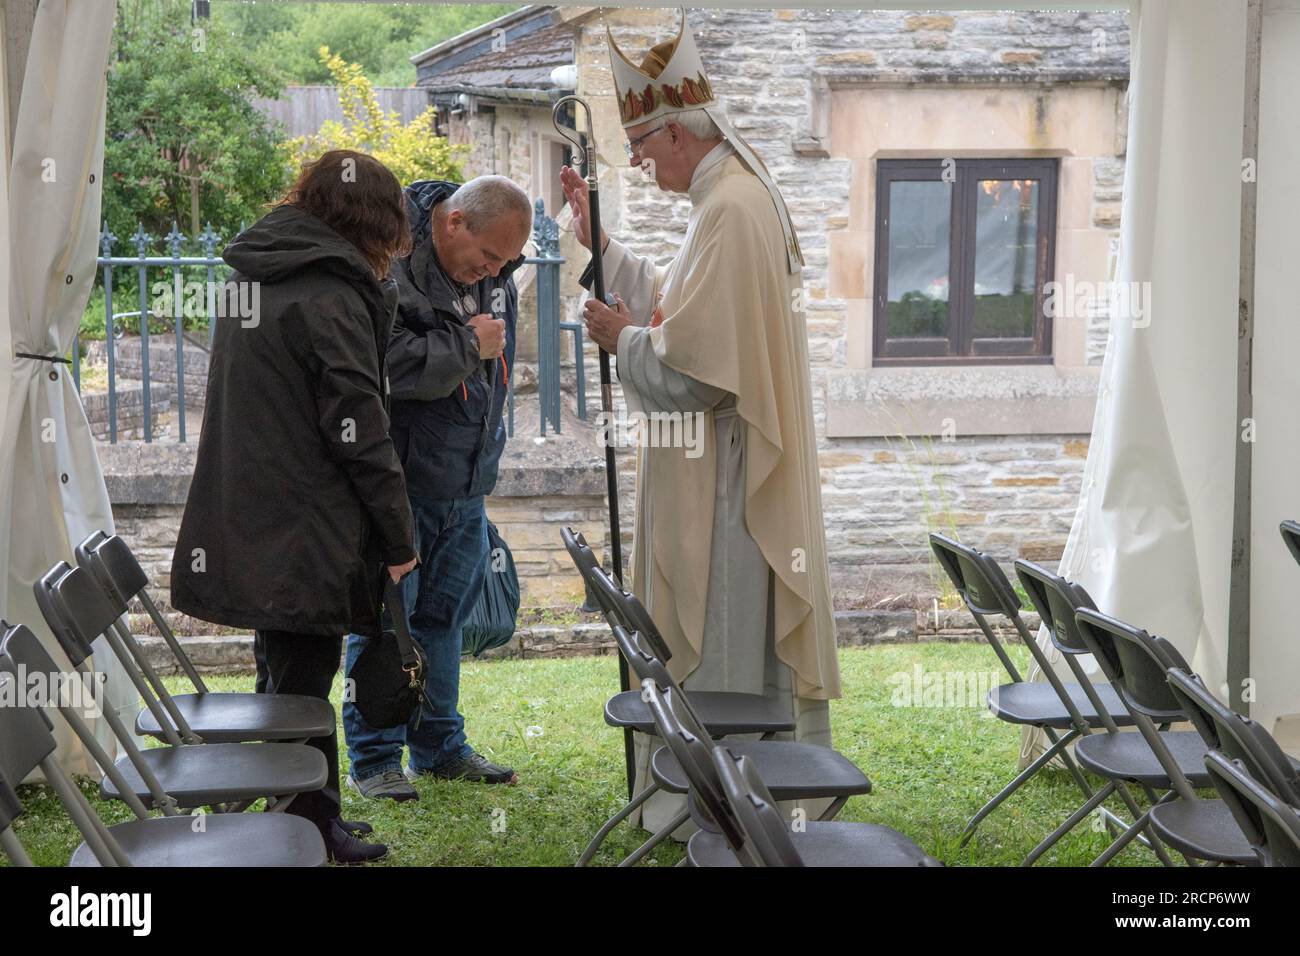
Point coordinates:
[[931, 767]]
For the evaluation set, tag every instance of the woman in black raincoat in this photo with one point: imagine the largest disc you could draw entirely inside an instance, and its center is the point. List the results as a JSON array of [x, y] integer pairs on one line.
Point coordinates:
[[298, 500]]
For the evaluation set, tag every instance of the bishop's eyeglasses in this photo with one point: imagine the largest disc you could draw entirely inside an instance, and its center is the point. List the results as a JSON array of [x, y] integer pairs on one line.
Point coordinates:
[[632, 144]]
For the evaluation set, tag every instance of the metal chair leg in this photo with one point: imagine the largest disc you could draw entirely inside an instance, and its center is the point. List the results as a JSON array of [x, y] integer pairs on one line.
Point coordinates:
[[836, 806], [1015, 784], [1050, 840], [662, 834], [1128, 835], [1075, 771], [1149, 839], [614, 821]]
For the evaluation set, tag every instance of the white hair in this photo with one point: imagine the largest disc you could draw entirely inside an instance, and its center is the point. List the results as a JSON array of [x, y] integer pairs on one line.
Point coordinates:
[[696, 122], [486, 199]]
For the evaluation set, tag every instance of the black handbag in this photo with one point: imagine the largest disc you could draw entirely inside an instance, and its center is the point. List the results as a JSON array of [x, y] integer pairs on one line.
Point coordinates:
[[388, 675]]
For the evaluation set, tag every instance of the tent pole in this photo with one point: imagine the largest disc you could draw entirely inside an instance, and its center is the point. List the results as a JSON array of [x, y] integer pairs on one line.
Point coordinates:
[[1239, 586]]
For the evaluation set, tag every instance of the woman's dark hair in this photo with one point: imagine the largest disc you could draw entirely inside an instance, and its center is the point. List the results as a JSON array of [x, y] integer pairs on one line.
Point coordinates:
[[359, 198]]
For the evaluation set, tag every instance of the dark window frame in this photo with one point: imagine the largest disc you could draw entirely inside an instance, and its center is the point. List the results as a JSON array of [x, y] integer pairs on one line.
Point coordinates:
[[961, 348]]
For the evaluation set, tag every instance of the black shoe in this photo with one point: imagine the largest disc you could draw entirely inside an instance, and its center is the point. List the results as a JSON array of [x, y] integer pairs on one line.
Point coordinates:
[[343, 847], [356, 827], [475, 768]]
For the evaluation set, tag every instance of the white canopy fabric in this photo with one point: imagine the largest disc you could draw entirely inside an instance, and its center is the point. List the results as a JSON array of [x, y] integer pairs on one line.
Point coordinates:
[[1152, 539], [52, 493]]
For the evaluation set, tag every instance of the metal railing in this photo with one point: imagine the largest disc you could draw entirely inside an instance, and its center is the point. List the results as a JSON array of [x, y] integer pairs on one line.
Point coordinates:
[[546, 237], [177, 306], [114, 327]]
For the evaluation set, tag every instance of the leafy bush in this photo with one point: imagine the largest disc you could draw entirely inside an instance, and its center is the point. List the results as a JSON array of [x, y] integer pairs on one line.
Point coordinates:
[[410, 150]]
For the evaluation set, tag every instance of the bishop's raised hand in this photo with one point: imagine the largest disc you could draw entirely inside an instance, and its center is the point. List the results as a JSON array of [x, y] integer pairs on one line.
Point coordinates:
[[575, 194]]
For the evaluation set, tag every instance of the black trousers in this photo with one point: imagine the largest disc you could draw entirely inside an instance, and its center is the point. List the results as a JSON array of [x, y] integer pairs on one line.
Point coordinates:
[[289, 663]]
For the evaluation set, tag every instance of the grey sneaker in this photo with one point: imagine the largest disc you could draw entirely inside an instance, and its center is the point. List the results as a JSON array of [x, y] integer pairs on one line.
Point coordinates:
[[389, 785], [475, 768]]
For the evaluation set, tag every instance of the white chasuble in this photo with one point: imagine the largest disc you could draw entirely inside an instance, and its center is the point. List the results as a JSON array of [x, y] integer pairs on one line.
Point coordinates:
[[730, 551]]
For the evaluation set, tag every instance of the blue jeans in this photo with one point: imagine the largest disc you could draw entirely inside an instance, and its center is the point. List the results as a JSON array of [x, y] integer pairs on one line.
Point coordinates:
[[451, 540]]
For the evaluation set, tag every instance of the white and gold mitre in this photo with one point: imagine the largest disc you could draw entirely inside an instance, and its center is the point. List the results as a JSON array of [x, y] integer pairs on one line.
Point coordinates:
[[671, 80]]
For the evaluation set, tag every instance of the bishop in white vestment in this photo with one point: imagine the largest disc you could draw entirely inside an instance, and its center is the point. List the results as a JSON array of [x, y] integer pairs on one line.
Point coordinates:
[[730, 551]]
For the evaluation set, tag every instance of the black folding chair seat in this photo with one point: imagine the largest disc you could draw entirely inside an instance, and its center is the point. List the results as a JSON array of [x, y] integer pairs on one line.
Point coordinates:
[[1039, 704], [224, 773], [235, 718], [1203, 829], [822, 844], [242, 840], [723, 713], [1129, 757], [791, 770]]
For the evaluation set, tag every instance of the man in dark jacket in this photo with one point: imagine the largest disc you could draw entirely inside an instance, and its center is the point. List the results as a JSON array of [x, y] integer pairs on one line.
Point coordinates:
[[449, 362], [298, 498]]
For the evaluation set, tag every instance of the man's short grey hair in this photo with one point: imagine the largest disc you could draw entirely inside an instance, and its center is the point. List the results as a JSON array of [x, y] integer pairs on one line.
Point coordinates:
[[696, 122], [486, 199]]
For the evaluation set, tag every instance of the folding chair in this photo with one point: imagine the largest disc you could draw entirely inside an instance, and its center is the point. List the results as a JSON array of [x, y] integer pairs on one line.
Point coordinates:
[[203, 716], [724, 839], [1057, 601], [1051, 706], [794, 770], [26, 741], [1171, 761], [724, 713], [1237, 737], [182, 775], [1271, 826]]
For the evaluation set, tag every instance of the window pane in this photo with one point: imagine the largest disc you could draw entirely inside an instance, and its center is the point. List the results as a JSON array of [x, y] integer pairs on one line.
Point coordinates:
[[1006, 239], [917, 298]]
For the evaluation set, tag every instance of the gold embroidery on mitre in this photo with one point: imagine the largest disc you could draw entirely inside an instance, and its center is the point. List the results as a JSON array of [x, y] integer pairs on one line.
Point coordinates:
[[687, 93]]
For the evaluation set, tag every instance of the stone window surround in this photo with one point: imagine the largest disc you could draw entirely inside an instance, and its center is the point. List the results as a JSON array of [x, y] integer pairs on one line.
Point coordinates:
[[861, 401]]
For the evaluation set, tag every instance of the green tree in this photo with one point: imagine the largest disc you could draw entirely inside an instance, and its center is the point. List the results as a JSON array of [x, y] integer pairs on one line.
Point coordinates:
[[184, 142], [381, 38], [410, 150]]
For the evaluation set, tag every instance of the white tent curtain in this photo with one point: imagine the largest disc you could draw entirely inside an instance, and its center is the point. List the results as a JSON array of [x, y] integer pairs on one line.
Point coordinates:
[[52, 492], [1152, 537]]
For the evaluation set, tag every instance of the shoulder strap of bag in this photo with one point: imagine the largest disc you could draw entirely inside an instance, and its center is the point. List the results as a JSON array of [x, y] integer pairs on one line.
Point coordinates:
[[397, 614]]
